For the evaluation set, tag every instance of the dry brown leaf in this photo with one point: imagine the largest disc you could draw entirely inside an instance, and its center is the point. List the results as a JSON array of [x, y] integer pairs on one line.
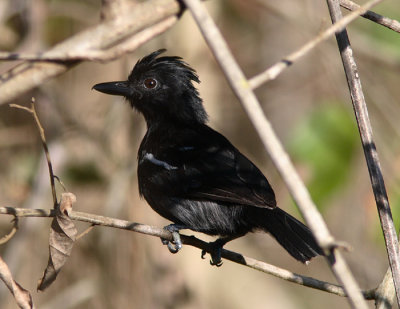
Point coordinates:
[[22, 296], [62, 237]]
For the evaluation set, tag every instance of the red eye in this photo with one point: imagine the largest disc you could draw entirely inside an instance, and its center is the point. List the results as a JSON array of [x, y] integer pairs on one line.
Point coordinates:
[[150, 83]]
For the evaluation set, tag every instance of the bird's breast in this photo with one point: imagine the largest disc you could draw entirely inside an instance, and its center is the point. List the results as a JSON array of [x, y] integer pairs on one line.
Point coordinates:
[[155, 174]]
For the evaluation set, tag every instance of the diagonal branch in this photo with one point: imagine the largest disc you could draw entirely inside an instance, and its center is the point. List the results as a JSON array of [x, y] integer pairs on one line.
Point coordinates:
[[370, 152], [272, 72], [112, 53], [241, 87], [375, 17], [188, 240], [21, 296]]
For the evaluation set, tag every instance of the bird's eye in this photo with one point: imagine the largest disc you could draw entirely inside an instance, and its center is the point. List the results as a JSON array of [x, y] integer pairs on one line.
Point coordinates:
[[150, 83]]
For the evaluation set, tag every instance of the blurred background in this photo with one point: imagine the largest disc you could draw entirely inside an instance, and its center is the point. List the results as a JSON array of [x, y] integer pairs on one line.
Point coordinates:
[[94, 138]]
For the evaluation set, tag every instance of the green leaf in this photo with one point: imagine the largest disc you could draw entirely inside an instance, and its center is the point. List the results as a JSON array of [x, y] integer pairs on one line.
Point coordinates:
[[325, 143]]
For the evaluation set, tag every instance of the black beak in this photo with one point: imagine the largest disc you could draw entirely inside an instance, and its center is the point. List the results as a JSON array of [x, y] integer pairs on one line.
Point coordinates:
[[114, 88]]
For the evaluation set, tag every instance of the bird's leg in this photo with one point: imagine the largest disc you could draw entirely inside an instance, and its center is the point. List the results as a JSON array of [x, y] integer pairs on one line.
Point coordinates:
[[215, 249], [176, 244]]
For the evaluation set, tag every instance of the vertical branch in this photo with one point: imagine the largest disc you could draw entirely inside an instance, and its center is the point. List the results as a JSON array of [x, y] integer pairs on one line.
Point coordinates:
[[46, 151], [371, 155], [243, 91], [32, 111]]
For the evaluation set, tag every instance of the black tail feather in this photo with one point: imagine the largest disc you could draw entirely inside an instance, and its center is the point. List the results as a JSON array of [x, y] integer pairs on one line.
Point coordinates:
[[293, 235]]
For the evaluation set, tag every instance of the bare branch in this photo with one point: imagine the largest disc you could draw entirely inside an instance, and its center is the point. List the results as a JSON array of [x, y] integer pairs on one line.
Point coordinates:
[[243, 91], [22, 296], [10, 235], [32, 111], [370, 152], [188, 240], [287, 61], [28, 75], [61, 183], [375, 17], [112, 53], [24, 108], [85, 232]]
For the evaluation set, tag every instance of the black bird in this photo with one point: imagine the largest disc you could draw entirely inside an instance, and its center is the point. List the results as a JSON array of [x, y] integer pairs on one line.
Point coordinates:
[[191, 174]]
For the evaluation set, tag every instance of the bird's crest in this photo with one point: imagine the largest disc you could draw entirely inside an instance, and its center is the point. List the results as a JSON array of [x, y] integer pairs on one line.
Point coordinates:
[[172, 65]]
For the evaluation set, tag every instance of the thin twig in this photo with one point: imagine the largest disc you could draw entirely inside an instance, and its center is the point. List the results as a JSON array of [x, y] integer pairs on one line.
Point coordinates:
[[85, 232], [375, 17], [272, 72], [32, 111], [10, 235], [188, 240], [61, 183], [241, 88], [370, 152]]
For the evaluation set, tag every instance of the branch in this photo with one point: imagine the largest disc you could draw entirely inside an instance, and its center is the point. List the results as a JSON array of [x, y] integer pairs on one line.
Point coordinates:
[[21, 296], [188, 240], [249, 101], [32, 111], [100, 38], [272, 72], [370, 152], [110, 54], [375, 17], [11, 234]]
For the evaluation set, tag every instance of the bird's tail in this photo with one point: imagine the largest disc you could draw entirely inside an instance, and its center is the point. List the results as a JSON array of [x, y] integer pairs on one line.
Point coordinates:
[[293, 235]]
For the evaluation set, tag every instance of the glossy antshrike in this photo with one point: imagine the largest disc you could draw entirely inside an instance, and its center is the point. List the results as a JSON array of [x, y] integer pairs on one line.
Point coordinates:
[[191, 174]]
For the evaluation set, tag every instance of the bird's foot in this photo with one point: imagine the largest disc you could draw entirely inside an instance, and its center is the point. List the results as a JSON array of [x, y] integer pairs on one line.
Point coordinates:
[[176, 244], [215, 250]]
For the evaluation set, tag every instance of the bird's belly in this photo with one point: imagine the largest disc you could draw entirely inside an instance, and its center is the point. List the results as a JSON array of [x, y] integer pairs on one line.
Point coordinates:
[[203, 216]]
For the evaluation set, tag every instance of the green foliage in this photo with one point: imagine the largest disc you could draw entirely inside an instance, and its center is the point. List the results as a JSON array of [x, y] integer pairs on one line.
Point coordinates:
[[325, 142], [83, 173]]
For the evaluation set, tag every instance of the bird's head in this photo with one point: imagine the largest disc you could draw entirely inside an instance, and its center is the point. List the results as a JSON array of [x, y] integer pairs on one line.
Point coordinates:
[[162, 89]]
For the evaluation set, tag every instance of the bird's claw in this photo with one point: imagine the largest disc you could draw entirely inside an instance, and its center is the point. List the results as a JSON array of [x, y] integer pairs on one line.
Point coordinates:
[[175, 245], [215, 252]]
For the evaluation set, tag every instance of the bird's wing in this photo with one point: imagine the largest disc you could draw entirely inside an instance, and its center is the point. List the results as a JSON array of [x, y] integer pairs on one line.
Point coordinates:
[[226, 175], [211, 168]]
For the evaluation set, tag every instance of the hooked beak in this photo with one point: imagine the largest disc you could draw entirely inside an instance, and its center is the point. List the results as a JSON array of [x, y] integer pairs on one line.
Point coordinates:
[[115, 88]]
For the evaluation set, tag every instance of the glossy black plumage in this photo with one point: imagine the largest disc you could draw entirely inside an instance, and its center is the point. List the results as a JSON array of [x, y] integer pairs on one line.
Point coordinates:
[[191, 174]]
